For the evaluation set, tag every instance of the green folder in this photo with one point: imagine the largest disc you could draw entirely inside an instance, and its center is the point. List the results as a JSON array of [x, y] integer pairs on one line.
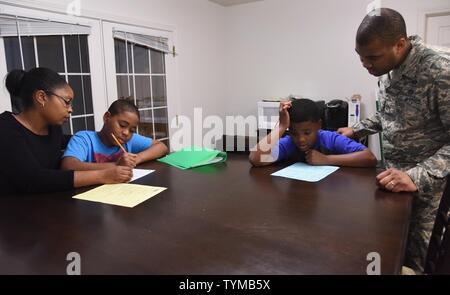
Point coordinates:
[[194, 157]]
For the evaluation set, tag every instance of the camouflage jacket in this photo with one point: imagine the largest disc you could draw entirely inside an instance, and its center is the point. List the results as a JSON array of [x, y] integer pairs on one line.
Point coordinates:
[[414, 114]]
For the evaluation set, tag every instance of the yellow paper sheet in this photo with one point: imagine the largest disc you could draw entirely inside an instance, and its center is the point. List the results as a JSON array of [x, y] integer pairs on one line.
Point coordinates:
[[121, 194]]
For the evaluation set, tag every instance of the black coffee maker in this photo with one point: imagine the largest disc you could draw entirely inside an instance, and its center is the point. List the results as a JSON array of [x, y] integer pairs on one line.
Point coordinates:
[[335, 115]]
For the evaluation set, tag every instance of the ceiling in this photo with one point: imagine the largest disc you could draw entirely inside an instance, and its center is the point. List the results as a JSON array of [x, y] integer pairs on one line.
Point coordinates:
[[232, 2]]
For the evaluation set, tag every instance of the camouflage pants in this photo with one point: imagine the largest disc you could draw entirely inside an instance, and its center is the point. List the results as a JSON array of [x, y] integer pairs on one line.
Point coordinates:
[[424, 208]]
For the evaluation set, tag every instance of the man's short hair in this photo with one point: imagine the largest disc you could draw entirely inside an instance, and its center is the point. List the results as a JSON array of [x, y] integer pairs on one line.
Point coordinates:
[[385, 24]]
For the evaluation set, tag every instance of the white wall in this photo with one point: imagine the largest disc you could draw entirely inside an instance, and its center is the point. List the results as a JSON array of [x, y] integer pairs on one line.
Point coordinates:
[[281, 47]]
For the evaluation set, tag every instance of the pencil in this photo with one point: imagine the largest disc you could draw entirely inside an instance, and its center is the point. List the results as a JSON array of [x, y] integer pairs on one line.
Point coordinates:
[[118, 143]]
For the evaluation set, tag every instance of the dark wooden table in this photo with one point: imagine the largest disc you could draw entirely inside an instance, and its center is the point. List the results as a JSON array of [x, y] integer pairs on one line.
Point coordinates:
[[225, 218]]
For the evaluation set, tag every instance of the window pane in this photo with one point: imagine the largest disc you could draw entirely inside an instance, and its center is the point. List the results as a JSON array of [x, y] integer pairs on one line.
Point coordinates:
[[80, 106], [161, 124], [125, 87], [83, 123], [119, 50], [77, 54], [131, 82], [143, 94], [159, 91], [50, 52], [145, 125], [120, 53], [130, 58], [72, 54], [157, 62], [66, 128], [90, 123], [88, 94], [12, 52], [29, 57], [150, 90], [77, 103], [79, 124], [141, 62], [84, 54], [122, 87]]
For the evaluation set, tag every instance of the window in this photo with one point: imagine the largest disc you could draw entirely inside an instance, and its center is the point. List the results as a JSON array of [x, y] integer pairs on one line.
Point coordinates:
[[100, 59], [66, 54], [141, 77]]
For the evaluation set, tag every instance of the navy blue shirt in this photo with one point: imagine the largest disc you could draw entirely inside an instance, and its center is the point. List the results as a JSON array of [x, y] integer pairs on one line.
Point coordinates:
[[328, 142]]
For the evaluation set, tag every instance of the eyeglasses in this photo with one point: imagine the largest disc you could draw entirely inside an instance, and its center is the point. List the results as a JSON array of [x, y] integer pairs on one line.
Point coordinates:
[[67, 102]]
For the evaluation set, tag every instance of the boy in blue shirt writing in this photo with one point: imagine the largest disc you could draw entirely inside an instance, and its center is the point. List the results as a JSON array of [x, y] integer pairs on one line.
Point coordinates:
[[307, 142], [90, 150]]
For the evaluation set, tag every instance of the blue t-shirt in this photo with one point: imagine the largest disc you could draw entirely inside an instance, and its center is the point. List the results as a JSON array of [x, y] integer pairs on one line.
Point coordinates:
[[328, 142], [87, 146]]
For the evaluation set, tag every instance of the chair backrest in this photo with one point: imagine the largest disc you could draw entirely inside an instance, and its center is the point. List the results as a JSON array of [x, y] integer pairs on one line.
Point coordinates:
[[438, 256], [335, 115]]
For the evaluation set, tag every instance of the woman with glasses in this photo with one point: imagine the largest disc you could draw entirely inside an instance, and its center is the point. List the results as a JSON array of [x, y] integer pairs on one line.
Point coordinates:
[[32, 140]]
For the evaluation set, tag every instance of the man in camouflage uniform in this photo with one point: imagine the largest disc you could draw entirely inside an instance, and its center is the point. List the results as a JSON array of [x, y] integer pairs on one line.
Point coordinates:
[[414, 117]]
